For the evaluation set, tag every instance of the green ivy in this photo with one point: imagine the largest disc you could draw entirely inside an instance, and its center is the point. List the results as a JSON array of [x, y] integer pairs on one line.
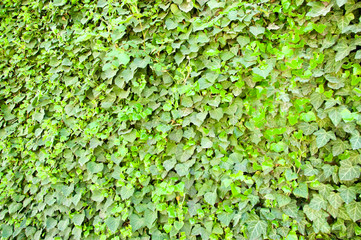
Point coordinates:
[[180, 119]]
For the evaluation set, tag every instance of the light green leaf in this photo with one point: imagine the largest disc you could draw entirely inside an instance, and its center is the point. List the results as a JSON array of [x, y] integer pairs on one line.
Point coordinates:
[[150, 217], [354, 210], [348, 194], [136, 222], [340, 3], [282, 200], [317, 99], [256, 227], [358, 54], [225, 218], [348, 171], [243, 40], [335, 200], [50, 223], [215, 4], [308, 128], [210, 197], [113, 223], [206, 142], [182, 169], [324, 137], [216, 114], [335, 116], [347, 116], [58, 3], [102, 3], [78, 219], [301, 190], [278, 147], [39, 115], [169, 164], [94, 167], [69, 81], [186, 6], [318, 202], [263, 71], [345, 21], [123, 58], [355, 141], [178, 225], [257, 30], [126, 192], [292, 236], [343, 50], [339, 147], [318, 9], [7, 231], [94, 142], [63, 224], [308, 117], [67, 62], [97, 195]]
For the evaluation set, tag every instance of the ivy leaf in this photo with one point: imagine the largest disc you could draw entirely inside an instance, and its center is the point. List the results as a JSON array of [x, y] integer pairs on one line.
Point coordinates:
[[355, 141], [347, 116], [169, 164], [324, 137], [7, 231], [348, 194], [335, 200], [335, 116], [136, 222], [345, 21], [307, 128], [102, 3], [97, 195], [308, 117], [278, 147], [78, 219], [50, 223], [123, 58], [263, 71], [214, 4], [317, 99], [348, 171], [340, 3], [301, 190], [257, 30], [343, 50], [63, 224], [339, 146], [354, 210], [186, 6], [113, 223], [256, 227], [225, 218], [318, 9], [126, 192], [206, 143], [94, 167], [243, 40], [150, 217], [317, 203], [210, 197], [59, 3], [216, 114]]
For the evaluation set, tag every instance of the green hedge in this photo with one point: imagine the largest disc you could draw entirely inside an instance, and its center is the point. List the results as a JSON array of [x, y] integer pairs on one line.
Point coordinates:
[[183, 119]]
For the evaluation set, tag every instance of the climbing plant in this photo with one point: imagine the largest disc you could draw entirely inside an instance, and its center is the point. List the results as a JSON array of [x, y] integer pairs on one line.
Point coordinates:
[[180, 119]]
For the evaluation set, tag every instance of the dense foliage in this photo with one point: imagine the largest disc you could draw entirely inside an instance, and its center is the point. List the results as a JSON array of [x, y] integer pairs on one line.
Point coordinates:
[[180, 119]]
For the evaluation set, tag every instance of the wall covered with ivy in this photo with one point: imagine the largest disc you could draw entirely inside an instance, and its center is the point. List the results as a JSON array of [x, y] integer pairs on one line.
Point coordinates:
[[180, 119]]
